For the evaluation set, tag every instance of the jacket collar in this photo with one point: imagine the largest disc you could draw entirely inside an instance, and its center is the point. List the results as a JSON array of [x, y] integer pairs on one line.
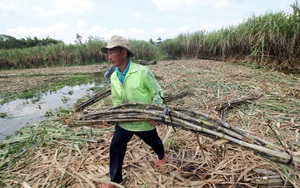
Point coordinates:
[[133, 68]]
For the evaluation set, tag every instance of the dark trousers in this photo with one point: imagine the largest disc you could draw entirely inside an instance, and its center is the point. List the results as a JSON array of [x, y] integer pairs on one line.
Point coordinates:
[[118, 148]]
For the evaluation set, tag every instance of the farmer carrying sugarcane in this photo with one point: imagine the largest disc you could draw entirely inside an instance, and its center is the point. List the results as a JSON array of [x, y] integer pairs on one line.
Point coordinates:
[[131, 82]]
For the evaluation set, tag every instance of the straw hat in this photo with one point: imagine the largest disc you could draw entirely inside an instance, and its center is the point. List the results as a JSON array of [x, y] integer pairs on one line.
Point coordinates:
[[117, 41]]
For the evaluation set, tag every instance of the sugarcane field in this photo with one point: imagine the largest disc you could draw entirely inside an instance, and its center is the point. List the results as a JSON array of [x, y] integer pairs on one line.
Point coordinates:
[[230, 116], [232, 126]]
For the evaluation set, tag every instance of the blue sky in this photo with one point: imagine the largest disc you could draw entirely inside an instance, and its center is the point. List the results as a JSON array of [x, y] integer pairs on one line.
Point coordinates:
[[135, 19]]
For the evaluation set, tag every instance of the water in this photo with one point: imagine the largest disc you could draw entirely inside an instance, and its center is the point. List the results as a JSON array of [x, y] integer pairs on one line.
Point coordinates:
[[21, 112]]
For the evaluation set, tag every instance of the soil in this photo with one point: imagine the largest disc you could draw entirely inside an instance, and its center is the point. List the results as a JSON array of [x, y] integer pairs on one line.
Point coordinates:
[[194, 160]]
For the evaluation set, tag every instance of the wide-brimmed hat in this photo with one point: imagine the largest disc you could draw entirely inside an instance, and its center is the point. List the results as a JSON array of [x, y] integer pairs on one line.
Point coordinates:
[[117, 41]]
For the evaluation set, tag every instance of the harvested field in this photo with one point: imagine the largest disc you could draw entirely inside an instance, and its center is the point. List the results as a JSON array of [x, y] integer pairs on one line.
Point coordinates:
[[68, 156]]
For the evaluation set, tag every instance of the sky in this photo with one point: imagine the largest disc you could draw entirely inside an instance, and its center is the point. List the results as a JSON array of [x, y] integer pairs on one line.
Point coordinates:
[[133, 19]]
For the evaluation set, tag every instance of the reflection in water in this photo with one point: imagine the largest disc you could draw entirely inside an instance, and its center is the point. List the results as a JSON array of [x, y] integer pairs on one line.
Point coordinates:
[[21, 112]]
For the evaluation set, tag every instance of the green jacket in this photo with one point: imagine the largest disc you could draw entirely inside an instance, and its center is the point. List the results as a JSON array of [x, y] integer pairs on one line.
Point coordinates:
[[140, 86]]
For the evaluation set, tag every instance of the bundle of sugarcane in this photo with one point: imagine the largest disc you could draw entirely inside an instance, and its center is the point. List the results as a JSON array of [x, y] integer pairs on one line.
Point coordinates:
[[197, 122], [107, 91]]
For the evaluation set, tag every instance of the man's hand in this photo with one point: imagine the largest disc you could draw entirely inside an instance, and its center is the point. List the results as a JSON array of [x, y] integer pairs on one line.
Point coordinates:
[[154, 123], [106, 124]]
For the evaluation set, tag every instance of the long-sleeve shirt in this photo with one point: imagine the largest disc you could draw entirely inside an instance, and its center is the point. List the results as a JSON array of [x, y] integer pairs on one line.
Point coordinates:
[[139, 85]]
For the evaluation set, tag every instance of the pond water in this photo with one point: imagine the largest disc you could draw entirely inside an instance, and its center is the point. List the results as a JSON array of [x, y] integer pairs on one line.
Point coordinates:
[[21, 112]]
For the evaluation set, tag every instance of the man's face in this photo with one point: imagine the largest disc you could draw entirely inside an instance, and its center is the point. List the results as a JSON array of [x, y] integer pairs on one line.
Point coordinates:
[[117, 56]]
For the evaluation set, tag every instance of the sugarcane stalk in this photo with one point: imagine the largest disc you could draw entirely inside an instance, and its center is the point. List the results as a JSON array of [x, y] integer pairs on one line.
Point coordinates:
[[195, 122], [107, 91], [134, 112], [93, 99], [203, 115]]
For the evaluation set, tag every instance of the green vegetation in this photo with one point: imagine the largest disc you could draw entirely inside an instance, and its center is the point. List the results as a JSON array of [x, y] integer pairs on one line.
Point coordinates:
[[9, 42], [51, 55], [143, 50], [38, 135], [269, 40], [2, 115]]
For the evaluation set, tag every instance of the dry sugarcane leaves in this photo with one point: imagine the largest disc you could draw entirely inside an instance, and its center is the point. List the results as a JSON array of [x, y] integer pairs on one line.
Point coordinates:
[[72, 157]]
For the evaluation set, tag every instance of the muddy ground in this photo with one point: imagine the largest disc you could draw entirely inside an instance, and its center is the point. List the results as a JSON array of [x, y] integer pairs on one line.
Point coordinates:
[[22, 80], [211, 164]]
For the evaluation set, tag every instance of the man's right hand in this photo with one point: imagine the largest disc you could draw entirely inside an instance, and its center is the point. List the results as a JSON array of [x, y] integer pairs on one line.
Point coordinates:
[[106, 124]]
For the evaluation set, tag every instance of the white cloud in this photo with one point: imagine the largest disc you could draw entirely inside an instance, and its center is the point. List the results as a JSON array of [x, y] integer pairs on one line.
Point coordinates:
[[190, 19], [122, 32], [219, 24], [63, 7], [215, 26], [209, 27], [80, 24], [184, 28], [7, 7], [53, 31], [96, 31], [220, 4], [136, 15], [135, 31], [40, 11], [128, 33], [159, 30], [170, 4], [73, 6], [106, 33]]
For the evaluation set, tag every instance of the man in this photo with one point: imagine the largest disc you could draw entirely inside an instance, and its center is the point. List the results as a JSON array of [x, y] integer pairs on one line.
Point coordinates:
[[131, 82]]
